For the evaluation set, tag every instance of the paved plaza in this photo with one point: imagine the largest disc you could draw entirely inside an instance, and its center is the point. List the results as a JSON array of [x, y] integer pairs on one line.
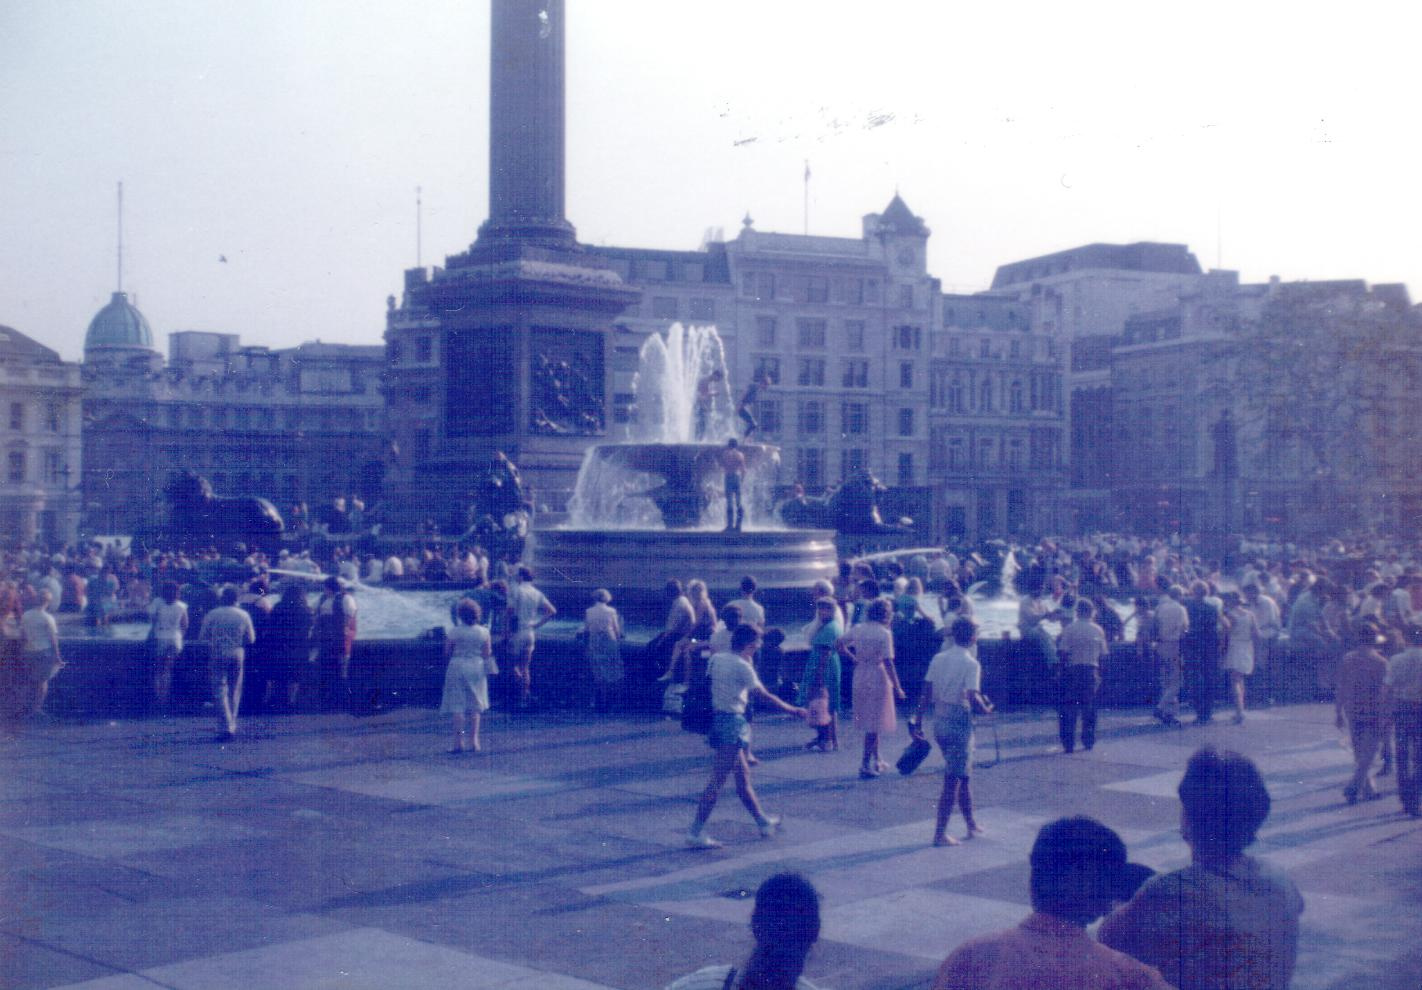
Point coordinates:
[[330, 851]]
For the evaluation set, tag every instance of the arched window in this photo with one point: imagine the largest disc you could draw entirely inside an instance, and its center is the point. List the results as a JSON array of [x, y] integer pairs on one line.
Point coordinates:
[[1015, 401], [985, 396]]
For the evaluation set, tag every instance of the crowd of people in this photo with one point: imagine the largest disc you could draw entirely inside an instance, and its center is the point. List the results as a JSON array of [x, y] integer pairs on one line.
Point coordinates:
[[1345, 621], [1336, 621], [1226, 921]]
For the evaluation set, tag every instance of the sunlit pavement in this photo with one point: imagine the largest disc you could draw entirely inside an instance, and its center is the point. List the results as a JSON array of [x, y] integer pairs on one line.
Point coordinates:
[[344, 852]]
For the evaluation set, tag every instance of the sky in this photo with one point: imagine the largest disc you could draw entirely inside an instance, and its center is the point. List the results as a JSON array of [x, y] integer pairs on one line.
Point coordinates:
[[289, 137]]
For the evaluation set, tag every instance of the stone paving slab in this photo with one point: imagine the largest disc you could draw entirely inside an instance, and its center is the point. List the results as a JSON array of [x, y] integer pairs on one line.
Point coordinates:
[[351, 852]]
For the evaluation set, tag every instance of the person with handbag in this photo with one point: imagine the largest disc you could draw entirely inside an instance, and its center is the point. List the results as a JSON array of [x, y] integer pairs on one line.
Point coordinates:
[[820, 684], [733, 681], [951, 686]]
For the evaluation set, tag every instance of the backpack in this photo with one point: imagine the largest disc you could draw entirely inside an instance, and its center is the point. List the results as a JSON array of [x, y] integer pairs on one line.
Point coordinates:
[[696, 708]]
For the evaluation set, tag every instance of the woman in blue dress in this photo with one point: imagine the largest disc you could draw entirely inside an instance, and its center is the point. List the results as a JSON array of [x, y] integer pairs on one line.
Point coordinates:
[[822, 672]]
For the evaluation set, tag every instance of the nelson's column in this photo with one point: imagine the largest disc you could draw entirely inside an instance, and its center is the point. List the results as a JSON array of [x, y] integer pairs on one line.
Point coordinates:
[[505, 348]]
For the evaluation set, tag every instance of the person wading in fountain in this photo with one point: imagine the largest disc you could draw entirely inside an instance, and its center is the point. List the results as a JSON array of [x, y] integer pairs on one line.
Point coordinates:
[[733, 464], [745, 409]]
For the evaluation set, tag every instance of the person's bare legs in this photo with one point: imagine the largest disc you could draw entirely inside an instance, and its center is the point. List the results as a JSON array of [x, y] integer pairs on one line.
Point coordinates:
[[458, 720], [1236, 686], [724, 762], [475, 717], [946, 800], [744, 790], [871, 752], [965, 804]]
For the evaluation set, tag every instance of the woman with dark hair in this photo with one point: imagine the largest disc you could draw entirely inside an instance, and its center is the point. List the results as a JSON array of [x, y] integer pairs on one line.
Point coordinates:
[[786, 925], [466, 679], [1227, 920], [289, 636]]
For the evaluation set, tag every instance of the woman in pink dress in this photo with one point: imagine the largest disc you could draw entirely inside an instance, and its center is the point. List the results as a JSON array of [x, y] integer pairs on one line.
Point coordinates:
[[876, 682]]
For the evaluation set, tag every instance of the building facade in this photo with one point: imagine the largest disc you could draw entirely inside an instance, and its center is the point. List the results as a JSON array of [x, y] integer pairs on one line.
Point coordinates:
[[294, 425], [1082, 297], [40, 399], [858, 349], [997, 447], [1284, 408]]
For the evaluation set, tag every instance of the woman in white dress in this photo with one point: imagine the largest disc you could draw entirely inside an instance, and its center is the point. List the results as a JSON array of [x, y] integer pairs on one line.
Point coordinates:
[[466, 680], [1239, 654]]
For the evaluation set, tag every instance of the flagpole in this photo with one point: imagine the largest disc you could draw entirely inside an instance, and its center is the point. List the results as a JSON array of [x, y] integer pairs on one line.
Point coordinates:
[[419, 224], [807, 197], [119, 288]]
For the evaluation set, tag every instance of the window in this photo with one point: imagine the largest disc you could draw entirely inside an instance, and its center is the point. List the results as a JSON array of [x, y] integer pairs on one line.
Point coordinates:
[[1014, 399], [394, 352], [767, 414], [957, 460], [985, 397], [812, 372], [852, 461], [765, 331], [906, 296], [814, 289], [291, 418], [955, 395], [855, 417], [1014, 455], [908, 338], [195, 416], [810, 467], [810, 333], [768, 369], [984, 349], [985, 453], [17, 415], [52, 417], [812, 416], [905, 470], [664, 307], [854, 291], [759, 285], [856, 374], [424, 349], [702, 309], [1014, 349], [54, 471], [854, 335], [905, 422], [905, 374], [954, 346], [17, 465], [420, 395], [171, 413]]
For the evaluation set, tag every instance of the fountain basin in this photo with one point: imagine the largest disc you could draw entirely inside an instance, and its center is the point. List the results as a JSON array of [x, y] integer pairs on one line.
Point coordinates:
[[636, 563]]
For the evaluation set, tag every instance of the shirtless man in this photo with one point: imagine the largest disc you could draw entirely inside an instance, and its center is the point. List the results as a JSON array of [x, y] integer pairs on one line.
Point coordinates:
[[745, 409], [733, 464]]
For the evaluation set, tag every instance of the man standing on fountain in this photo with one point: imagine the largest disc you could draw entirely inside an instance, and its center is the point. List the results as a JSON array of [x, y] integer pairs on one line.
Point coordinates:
[[745, 409], [733, 464]]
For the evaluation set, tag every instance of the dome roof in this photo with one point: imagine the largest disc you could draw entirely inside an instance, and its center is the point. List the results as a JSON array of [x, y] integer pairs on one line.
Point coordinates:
[[119, 324]]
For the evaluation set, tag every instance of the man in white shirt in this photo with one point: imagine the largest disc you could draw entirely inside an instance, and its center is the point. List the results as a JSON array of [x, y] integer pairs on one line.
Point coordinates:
[[529, 609], [1171, 622], [1081, 647], [227, 631], [751, 610], [40, 650]]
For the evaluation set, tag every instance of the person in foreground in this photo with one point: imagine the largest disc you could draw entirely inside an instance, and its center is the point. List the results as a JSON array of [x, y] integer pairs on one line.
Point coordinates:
[[1079, 870], [1227, 921], [786, 924], [733, 681]]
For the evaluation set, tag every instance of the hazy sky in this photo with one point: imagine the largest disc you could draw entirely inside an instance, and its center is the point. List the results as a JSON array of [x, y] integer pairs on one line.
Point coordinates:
[[289, 137]]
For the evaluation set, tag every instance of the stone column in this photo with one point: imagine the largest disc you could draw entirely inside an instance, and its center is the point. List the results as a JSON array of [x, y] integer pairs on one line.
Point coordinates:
[[526, 125]]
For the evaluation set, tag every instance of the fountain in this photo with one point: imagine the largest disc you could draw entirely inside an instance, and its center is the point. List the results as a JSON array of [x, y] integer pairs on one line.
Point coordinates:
[[652, 507]]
